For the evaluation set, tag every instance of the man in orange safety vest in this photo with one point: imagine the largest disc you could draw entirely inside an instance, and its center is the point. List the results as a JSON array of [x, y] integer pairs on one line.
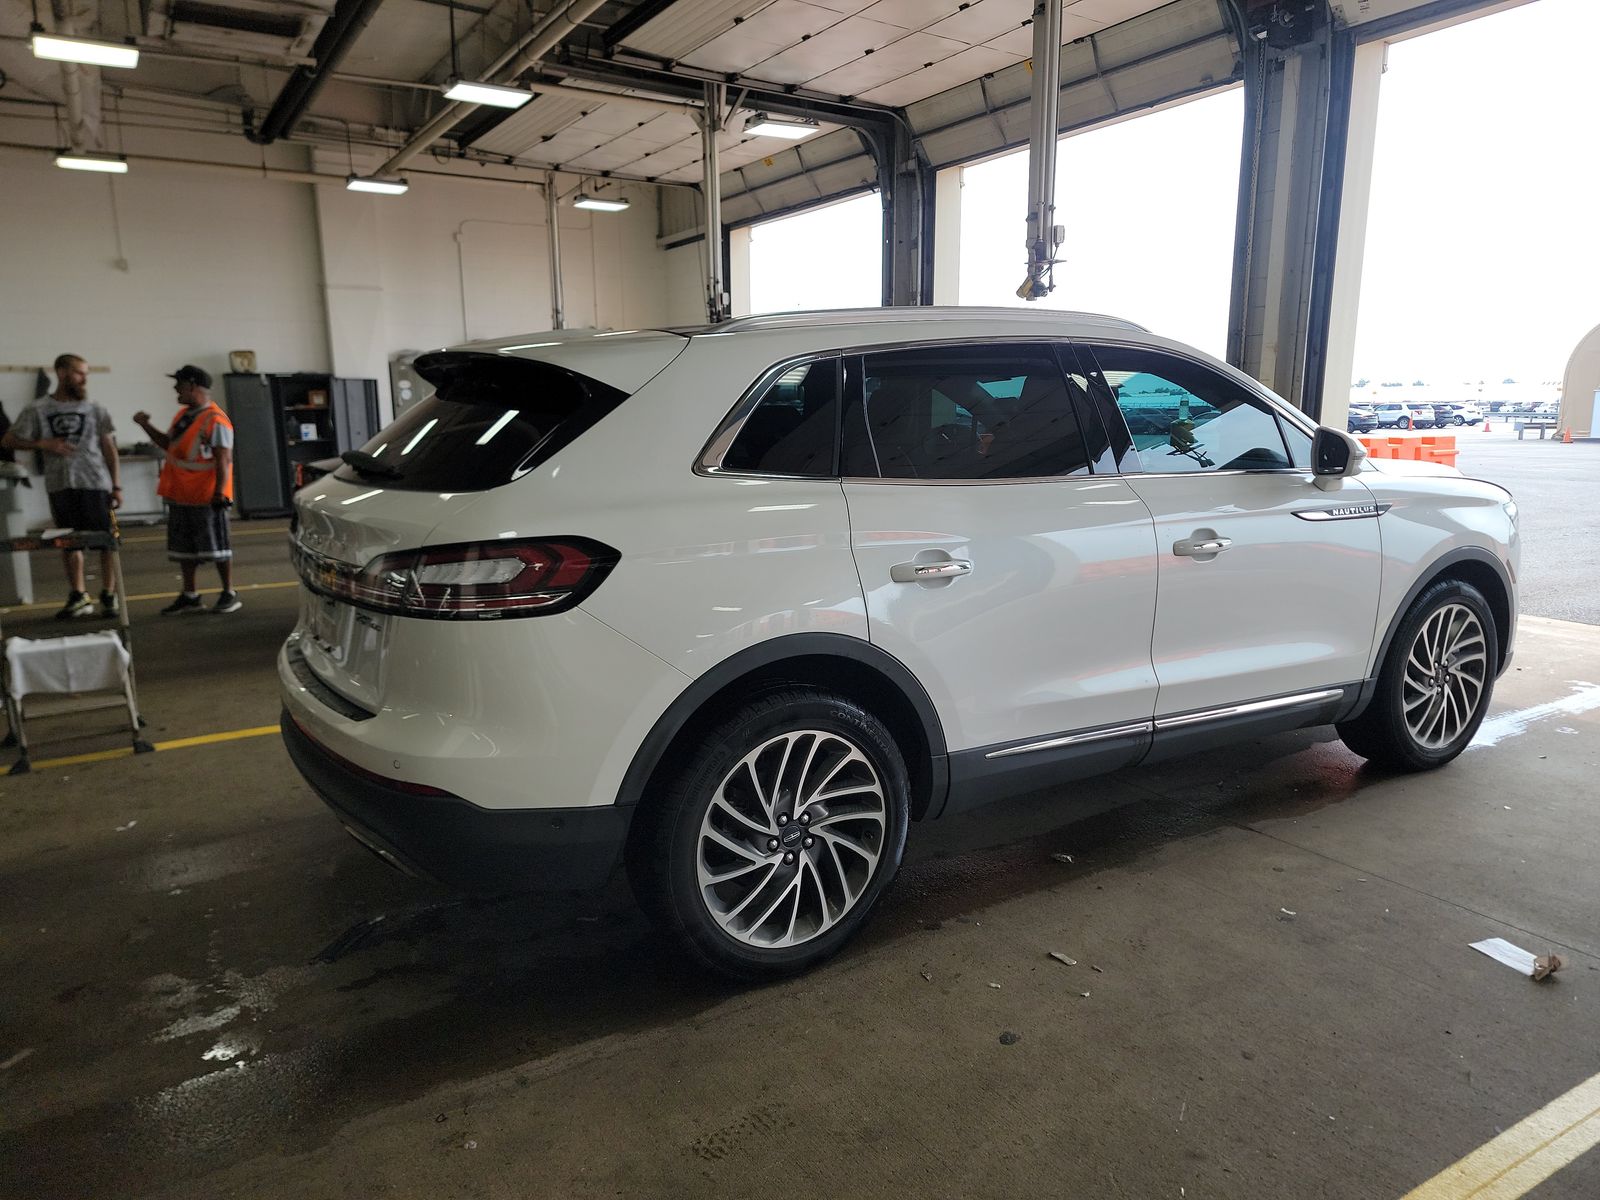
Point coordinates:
[[197, 483]]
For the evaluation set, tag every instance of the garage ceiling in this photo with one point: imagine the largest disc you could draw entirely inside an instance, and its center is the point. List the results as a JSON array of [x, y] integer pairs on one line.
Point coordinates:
[[956, 70]]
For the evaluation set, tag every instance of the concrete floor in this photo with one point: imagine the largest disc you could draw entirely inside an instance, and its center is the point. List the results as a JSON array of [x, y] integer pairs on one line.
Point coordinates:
[[210, 991], [1556, 487]]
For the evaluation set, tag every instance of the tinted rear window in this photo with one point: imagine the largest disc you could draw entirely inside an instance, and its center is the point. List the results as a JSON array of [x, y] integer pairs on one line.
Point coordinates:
[[491, 419]]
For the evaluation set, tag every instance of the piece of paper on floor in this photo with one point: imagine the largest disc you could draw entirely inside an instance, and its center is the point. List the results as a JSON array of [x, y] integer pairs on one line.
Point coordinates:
[[1503, 951]]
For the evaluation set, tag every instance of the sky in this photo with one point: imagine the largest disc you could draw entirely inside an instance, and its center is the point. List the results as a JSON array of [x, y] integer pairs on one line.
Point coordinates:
[[1483, 241], [1148, 206]]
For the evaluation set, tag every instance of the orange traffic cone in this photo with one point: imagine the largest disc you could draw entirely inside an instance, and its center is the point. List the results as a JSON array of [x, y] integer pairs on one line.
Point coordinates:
[[1486, 424], [1566, 436]]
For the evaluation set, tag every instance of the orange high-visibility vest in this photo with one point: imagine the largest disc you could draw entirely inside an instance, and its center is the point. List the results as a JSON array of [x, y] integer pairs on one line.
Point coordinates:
[[189, 473]]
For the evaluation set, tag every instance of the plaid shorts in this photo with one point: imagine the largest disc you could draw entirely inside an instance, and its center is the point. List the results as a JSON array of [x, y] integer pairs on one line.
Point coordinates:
[[197, 533]]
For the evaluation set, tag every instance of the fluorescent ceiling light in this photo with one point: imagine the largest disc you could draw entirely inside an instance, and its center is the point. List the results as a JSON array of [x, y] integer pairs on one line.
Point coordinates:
[[108, 163], [370, 183], [59, 48], [598, 205], [469, 92], [761, 125]]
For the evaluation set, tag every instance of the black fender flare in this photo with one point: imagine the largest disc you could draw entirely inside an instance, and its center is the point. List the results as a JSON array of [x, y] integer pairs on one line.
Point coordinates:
[[771, 653]]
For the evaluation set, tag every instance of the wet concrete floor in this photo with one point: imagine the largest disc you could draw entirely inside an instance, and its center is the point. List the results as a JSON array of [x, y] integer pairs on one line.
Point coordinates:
[[208, 990]]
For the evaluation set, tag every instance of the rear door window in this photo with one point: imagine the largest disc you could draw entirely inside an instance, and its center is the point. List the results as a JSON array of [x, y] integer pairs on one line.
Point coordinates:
[[491, 419], [998, 411]]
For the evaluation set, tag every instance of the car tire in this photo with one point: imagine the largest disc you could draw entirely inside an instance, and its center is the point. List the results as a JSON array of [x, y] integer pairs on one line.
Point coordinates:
[[714, 846], [1435, 683], [1403, 423], [1459, 421]]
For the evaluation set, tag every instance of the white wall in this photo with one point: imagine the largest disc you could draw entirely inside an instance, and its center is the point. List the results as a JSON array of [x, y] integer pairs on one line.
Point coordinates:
[[685, 283], [309, 276], [212, 264], [453, 260]]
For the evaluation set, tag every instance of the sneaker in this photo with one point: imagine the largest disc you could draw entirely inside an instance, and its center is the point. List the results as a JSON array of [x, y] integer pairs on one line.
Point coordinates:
[[227, 602], [78, 605], [187, 602], [108, 604]]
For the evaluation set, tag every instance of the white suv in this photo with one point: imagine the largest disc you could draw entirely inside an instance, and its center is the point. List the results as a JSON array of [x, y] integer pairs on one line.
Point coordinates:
[[735, 604]]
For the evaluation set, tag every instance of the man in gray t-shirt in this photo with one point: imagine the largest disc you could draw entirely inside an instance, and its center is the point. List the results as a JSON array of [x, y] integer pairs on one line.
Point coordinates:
[[82, 473]]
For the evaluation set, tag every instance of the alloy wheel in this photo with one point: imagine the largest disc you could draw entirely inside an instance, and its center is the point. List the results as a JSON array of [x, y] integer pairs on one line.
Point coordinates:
[[791, 839], [1447, 670]]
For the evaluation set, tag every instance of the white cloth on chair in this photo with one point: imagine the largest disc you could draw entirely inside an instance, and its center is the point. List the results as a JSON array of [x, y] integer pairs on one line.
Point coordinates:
[[82, 662]]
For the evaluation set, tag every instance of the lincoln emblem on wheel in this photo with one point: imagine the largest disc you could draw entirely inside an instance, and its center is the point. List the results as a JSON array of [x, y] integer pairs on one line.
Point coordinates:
[[731, 608]]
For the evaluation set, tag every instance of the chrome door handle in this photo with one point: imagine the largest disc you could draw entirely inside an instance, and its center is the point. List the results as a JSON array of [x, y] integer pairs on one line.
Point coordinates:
[[1202, 548], [927, 572]]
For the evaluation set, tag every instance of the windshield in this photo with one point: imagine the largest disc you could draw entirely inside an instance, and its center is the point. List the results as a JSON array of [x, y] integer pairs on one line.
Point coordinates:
[[491, 419]]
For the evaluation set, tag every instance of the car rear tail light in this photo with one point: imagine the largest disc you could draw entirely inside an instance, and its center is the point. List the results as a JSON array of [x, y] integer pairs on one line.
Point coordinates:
[[469, 581]]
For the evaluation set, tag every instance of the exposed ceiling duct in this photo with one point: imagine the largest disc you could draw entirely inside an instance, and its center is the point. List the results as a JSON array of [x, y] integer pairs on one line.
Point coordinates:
[[279, 28], [80, 84], [338, 34]]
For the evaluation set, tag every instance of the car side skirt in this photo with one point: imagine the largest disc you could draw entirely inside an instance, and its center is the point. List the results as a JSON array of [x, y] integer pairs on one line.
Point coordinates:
[[987, 773]]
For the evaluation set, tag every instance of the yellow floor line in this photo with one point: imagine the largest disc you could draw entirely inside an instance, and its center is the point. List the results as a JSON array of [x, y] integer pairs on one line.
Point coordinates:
[[167, 595], [233, 531], [205, 739], [1525, 1155]]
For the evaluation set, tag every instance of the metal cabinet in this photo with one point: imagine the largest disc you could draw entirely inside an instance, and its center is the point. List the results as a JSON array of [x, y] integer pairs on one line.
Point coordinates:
[[284, 422]]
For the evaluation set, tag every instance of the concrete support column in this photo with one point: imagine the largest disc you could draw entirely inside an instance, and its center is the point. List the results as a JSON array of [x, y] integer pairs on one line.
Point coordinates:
[[1339, 364], [739, 271], [1299, 82], [947, 237]]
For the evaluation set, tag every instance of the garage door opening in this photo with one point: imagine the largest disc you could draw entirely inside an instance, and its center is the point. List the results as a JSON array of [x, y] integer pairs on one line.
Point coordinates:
[[1482, 247], [826, 257], [1149, 206]]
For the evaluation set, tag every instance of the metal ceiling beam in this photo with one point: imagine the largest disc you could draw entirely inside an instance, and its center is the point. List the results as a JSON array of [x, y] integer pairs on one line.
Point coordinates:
[[689, 86], [1222, 35], [1420, 18], [350, 18], [524, 53]]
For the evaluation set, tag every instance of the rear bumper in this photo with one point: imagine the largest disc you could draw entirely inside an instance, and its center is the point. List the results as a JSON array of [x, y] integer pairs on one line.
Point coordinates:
[[447, 839]]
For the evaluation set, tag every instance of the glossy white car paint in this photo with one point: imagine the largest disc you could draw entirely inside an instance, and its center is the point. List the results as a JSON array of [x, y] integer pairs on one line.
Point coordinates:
[[1058, 604], [1288, 606], [1051, 632], [1435, 511]]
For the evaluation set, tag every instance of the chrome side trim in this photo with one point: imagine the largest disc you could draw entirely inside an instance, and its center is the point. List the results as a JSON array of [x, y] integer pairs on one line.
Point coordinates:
[[1074, 739], [1241, 710], [1344, 512]]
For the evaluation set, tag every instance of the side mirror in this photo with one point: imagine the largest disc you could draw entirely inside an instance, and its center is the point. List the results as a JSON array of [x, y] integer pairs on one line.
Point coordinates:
[[1334, 455]]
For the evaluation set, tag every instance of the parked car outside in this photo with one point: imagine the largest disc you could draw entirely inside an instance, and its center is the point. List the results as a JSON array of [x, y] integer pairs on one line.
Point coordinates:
[[1394, 416], [1361, 419], [733, 607], [1422, 416], [1457, 413]]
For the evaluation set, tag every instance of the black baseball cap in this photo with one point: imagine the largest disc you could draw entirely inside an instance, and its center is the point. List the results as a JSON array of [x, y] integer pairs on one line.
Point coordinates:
[[189, 373]]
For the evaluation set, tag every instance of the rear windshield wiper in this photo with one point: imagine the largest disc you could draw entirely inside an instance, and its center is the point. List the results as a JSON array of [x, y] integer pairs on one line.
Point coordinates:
[[369, 465]]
